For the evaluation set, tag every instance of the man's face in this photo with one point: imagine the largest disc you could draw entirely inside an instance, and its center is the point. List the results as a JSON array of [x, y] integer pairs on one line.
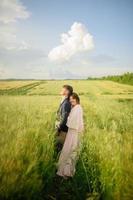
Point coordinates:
[[64, 92]]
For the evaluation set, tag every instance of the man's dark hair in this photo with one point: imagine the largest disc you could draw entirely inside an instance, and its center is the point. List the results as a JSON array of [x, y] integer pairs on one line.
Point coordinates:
[[69, 88]]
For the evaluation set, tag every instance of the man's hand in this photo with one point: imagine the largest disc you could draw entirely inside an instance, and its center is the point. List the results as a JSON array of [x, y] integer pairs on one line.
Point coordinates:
[[57, 124], [57, 127]]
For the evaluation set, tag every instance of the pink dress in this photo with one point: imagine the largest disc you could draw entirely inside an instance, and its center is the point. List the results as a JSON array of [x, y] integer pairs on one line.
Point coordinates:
[[71, 148]]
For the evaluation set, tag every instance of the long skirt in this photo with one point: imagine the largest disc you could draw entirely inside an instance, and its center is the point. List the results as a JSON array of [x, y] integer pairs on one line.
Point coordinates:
[[69, 154]]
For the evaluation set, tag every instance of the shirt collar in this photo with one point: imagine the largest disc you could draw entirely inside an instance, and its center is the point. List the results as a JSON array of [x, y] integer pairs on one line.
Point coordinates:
[[63, 98]]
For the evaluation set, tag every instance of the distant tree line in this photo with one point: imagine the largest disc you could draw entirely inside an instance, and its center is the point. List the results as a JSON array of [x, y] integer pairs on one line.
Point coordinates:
[[126, 78]]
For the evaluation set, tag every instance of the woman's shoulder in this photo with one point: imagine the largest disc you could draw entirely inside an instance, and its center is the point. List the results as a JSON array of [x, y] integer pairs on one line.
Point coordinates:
[[78, 107]]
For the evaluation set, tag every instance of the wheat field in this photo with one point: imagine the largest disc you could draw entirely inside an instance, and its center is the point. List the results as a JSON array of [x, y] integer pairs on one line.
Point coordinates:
[[27, 163]]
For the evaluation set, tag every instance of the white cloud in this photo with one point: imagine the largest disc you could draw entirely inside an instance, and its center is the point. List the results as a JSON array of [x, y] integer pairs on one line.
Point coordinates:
[[11, 10], [78, 39], [9, 40], [2, 72]]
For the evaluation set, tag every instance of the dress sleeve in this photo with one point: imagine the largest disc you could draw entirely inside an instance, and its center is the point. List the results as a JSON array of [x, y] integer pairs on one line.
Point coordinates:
[[75, 119]]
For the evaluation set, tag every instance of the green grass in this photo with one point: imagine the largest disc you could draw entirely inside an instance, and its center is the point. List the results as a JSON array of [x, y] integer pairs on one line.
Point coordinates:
[[27, 163]]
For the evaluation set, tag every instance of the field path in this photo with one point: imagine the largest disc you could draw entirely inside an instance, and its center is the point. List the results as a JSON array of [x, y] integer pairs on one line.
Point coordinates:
[[20, 89]]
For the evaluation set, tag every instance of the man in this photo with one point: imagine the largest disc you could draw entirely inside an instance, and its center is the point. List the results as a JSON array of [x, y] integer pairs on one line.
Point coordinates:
[[62, 115]]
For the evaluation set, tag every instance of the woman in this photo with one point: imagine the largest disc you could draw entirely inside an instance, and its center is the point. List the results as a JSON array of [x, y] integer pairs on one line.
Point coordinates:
[[69, 153]]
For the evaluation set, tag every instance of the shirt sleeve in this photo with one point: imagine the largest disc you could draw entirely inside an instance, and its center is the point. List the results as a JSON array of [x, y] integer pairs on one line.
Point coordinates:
[[65, 112]]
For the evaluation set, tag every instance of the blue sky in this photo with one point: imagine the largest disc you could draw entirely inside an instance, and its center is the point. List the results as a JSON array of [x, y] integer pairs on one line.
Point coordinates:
[[31, 47]]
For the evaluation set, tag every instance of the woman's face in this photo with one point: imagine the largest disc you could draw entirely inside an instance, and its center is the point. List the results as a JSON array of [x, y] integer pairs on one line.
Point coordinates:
[[73, 101]]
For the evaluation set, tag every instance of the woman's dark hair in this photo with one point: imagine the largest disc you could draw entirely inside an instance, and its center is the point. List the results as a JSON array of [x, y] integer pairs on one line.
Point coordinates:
[[76, 97], [69, 88]]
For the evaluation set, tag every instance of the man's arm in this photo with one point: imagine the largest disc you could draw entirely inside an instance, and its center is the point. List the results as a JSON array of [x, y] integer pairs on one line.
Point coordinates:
[[65, 112]]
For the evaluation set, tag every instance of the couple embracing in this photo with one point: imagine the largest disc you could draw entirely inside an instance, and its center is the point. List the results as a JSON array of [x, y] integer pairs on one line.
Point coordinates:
[[69, 128]]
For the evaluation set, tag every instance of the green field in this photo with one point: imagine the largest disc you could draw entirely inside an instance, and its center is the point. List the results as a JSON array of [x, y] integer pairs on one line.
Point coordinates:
[[27, 162]]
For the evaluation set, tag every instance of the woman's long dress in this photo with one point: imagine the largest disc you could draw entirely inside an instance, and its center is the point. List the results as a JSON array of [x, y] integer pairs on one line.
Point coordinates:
[[71, 148]]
